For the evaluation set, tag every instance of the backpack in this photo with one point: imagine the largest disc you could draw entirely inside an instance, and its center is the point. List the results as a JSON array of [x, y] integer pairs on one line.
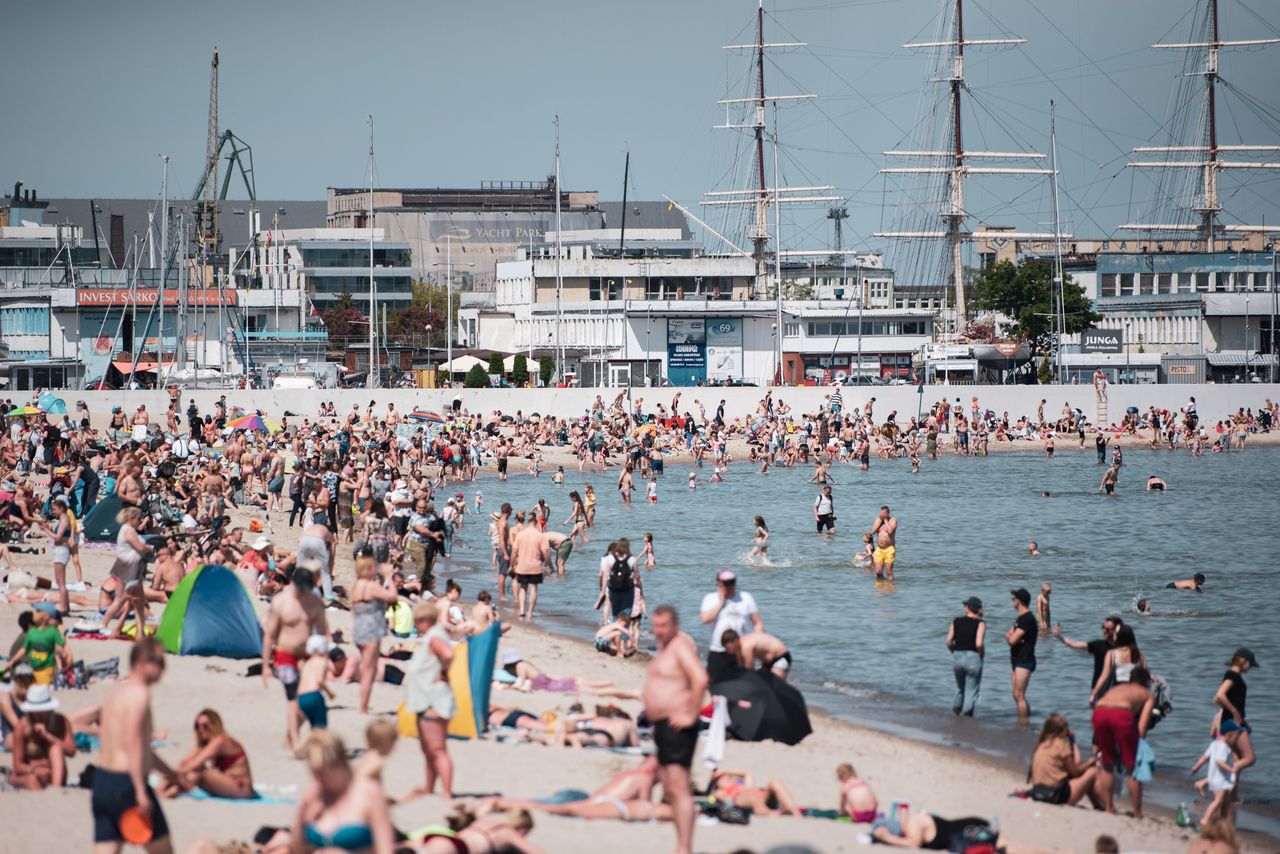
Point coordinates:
[[1163, 700], [620, 579]]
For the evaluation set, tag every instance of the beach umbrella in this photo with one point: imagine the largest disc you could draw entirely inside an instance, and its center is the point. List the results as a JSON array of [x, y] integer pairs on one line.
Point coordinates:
[[462, 364], [24, 410], [255, 423], [426, 416], [763, 707]]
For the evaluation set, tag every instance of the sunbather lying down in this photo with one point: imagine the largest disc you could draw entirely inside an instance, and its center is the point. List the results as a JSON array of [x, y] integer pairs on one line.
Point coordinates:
[[609, 727], [530, 678], [628, 796]]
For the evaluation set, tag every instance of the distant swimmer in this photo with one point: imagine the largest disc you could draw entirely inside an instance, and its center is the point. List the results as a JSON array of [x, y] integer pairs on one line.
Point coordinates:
[[1144, 607], [1156, 484], [1196, 583], [1033, 549]]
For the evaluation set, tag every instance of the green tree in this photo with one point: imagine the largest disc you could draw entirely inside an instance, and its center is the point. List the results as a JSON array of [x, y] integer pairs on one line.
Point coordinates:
[[495, 364], [477, 377], [546, 368], [1045, 374], [1025, 294], [520, 371]]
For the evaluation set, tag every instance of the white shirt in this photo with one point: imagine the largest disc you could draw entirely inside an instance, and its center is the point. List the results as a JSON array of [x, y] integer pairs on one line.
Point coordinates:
[[402, 509], [736, 615], [1219, 781]]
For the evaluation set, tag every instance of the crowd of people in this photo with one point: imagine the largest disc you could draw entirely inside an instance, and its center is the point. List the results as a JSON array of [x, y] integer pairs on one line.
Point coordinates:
[[384, 493]]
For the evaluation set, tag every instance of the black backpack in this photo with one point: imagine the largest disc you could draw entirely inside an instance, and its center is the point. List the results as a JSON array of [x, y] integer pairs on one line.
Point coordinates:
[[620, 579]]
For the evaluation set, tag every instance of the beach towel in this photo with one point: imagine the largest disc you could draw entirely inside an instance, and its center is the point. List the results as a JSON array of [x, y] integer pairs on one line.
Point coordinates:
[[713, 748], [261, 797], [1145, 763]]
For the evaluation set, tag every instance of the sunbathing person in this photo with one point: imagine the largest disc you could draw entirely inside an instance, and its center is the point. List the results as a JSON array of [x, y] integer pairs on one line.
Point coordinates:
[[42, 741], [628, 796], [217, 764], [739, 789], [608, 727], [530, 678], [479, 833]]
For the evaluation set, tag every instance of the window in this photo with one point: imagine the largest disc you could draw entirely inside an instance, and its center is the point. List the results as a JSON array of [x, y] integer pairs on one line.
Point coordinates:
[[1202, 282], [790, 329], [1110, 283], [1126, 285], [1164, 283], [24, 321], [1262, 281], [1185, 283], [1146, 283], [598, 285]]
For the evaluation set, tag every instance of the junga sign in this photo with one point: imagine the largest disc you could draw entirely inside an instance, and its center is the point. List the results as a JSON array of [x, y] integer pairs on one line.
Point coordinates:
[[1102, 341]]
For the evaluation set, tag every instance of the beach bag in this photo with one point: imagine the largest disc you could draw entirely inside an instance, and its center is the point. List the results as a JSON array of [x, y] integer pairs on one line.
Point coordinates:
[[976, 839], [620, 579], [1163, 700]]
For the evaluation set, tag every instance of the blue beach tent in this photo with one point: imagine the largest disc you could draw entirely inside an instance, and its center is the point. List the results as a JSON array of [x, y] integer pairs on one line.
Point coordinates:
[[211, 614]]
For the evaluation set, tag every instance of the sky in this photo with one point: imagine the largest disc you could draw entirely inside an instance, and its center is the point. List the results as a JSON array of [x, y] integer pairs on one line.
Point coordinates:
[[466, 91]]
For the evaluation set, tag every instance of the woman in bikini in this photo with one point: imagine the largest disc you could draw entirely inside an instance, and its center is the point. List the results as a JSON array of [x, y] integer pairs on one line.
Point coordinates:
[[738, 788], [857, 800], [217, 764]]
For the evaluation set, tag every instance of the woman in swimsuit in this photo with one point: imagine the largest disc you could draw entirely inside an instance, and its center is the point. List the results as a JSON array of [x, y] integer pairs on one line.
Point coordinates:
[[856, 798], [760, 545], [217, 763], [1119, 664], [469, 833], [342, 812], [934, 833], [738, 788]]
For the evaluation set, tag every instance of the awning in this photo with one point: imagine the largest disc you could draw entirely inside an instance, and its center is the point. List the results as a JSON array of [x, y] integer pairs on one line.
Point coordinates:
[[126, 367], [1240, 360]]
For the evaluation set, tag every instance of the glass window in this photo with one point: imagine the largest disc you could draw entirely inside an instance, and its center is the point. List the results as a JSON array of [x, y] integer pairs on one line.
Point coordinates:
[[1110, 282], [1185, 283], [1146, 283], [1164, 283], [1126, 284], [1202, 282]]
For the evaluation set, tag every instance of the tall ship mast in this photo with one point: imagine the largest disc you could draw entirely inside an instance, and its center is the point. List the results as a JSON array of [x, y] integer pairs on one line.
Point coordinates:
[[952, 161], [1197, 196]]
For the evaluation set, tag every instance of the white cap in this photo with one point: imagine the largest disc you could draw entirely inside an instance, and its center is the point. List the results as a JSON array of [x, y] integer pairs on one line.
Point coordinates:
[[260, 544], [317, 645]]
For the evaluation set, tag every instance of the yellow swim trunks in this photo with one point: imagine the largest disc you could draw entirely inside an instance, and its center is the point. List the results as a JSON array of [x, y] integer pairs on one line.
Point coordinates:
[[885, 554]]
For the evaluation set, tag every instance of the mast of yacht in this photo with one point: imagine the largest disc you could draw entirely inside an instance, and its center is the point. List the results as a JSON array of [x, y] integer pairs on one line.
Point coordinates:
[[1060, 316], [954, 163], [371, 381], [1205, 156], [559, 252]]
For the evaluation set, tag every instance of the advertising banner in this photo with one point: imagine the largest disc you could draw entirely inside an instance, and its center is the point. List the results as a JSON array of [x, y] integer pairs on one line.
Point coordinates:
[[686, 351], [724, 348], [1102, 341]]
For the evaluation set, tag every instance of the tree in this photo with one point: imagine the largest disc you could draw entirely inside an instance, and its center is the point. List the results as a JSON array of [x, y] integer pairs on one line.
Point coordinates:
[[1026, 294], [520, 371], [495, 364], [344, 320], [477, 377], [1045, 374], [408, 325], [546, 368]]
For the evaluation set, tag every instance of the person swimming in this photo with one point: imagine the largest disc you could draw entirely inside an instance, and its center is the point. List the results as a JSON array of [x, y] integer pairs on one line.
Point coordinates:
[[1156, 484], [1144, 607], [1033, 549], [1196, 582]]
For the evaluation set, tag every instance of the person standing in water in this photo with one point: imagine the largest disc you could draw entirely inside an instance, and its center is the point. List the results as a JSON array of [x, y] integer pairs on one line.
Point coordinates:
[[1109, 480], [824, 511], [1042, 606], [760, 545], [1021, 638], [885, 531], [967, 641]]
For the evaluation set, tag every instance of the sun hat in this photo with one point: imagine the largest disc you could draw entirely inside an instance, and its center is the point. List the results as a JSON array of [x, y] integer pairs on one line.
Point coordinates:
[[260, 544], [39, 699]]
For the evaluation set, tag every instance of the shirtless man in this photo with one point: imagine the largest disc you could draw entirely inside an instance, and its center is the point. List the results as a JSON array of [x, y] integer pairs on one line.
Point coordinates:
[[1109, 480], [504, 551], [129, 486], [295, 614], [820, 473], [126, 757], [316, 544], [885, 531], [674, 688], [1042, 606], [1195, 583], [168, 575], [1120, 718], [1157, 484], [770, 651], [529, 555], [626, 484]]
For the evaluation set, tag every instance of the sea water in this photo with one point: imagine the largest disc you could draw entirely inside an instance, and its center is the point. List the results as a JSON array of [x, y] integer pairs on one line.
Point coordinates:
[[877, 654]]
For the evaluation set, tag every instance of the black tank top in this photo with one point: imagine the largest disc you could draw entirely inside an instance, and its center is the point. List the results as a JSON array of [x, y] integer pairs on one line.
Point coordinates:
[[966, 634]]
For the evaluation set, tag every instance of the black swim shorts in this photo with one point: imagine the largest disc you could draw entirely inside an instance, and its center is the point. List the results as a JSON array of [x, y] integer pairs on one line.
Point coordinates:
[[112, 795], [675, 746]]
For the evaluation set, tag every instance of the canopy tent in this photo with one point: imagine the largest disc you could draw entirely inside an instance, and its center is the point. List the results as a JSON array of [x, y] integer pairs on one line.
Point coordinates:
[[52, 405], [99, 524], [462, 364], [211, 614]]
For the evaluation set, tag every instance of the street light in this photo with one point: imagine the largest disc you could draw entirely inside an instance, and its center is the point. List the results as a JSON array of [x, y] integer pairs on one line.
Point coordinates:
[[1246, 339], [448, 299]]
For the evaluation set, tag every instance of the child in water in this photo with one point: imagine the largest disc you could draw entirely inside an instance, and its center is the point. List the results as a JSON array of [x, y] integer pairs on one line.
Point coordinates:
[[715, 475], [693, 481], [649, 558], [760, 545], [653, 489], [558, 477], [863, 558]]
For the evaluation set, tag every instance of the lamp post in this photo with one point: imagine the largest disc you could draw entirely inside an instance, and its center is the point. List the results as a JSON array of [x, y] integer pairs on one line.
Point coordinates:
[[1247, 351], [1128, 373], [448, 298]]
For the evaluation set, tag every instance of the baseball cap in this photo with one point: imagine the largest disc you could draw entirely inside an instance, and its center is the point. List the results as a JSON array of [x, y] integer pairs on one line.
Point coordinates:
[[260, 544], [973, 603], [48, 607], [727, 576], [1022, 595], [1247, 654]]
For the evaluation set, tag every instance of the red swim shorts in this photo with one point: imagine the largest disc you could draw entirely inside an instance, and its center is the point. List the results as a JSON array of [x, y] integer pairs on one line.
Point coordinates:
[[1115, 732]]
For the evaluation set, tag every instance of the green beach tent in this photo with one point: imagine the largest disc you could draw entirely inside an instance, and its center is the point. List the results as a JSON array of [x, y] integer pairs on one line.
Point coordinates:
[[211, 614]]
